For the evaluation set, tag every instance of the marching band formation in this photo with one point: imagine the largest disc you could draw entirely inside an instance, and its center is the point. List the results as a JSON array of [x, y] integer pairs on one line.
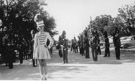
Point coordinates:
[[39, 48], [89, 42]]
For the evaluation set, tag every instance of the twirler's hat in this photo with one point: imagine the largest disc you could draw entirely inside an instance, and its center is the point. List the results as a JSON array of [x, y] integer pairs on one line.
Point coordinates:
[[40, 23], [39, 20]]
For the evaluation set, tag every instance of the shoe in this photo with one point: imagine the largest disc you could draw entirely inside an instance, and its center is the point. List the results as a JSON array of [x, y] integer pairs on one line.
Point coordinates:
[[42, 77], [105, 56], [96, 60], [45, 77], [34, 65], [118, 59]]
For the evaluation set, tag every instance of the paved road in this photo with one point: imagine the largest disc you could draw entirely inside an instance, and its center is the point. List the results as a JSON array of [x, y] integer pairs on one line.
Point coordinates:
[[78, 69]]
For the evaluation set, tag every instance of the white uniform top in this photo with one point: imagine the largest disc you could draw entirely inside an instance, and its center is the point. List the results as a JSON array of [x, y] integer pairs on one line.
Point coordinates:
[[40, 47]]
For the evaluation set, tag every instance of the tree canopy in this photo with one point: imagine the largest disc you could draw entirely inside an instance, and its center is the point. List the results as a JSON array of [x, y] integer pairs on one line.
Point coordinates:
[[17, 18], [125, 21]]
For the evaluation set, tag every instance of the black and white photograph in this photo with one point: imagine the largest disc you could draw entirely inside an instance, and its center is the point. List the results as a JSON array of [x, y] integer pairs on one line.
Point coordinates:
[[67, 40]]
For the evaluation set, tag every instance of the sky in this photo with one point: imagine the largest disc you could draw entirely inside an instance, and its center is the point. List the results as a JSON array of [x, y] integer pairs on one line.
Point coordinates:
[[73, 16]]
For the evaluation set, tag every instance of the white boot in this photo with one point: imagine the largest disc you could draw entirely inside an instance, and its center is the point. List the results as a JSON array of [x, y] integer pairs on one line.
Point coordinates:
[[45, 77], [42, 77]]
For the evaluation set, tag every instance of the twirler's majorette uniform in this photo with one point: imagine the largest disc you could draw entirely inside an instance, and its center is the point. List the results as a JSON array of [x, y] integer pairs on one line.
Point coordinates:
[[40, 45]]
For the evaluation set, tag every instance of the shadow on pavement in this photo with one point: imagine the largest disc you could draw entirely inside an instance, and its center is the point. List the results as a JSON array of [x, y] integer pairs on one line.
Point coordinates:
[[75, 58], [64, 71], [77, 64], [128, 54], [19, 72]]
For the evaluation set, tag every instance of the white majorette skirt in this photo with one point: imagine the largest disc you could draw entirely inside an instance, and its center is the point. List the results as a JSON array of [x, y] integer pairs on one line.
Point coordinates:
[[42, 52]]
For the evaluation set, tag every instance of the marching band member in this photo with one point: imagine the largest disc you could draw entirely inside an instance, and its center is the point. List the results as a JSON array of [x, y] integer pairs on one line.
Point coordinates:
[[41, 52]]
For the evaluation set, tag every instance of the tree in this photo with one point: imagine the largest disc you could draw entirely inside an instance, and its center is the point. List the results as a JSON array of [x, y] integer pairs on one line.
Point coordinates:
[[101, 23], [49, 23], [18, 20], [126, 13], [18, 17], [120, 25]]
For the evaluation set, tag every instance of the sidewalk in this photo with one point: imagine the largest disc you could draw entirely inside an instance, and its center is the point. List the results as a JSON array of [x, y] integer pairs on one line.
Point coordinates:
[[78, 69]]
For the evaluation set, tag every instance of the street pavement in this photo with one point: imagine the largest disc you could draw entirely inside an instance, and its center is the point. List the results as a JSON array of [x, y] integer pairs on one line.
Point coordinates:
[[78, 69]]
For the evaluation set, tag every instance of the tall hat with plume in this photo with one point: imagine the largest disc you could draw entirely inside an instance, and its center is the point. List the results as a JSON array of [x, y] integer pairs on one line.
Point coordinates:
[[39, 20]]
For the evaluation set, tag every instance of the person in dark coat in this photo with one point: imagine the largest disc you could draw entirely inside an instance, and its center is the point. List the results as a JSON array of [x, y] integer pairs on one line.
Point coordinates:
[[81, 45], [117, 43], [65, 51], [98, 49], [107, 45], [107, 48], [94, 45], [87, 45], [60, 47], [60, 51], [64, 47]]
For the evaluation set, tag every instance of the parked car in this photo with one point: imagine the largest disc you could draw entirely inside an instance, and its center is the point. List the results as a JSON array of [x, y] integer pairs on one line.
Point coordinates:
[[127, 41]]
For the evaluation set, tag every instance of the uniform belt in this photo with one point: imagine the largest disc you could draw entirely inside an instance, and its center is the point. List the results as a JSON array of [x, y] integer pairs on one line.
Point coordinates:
[[42, 44]]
